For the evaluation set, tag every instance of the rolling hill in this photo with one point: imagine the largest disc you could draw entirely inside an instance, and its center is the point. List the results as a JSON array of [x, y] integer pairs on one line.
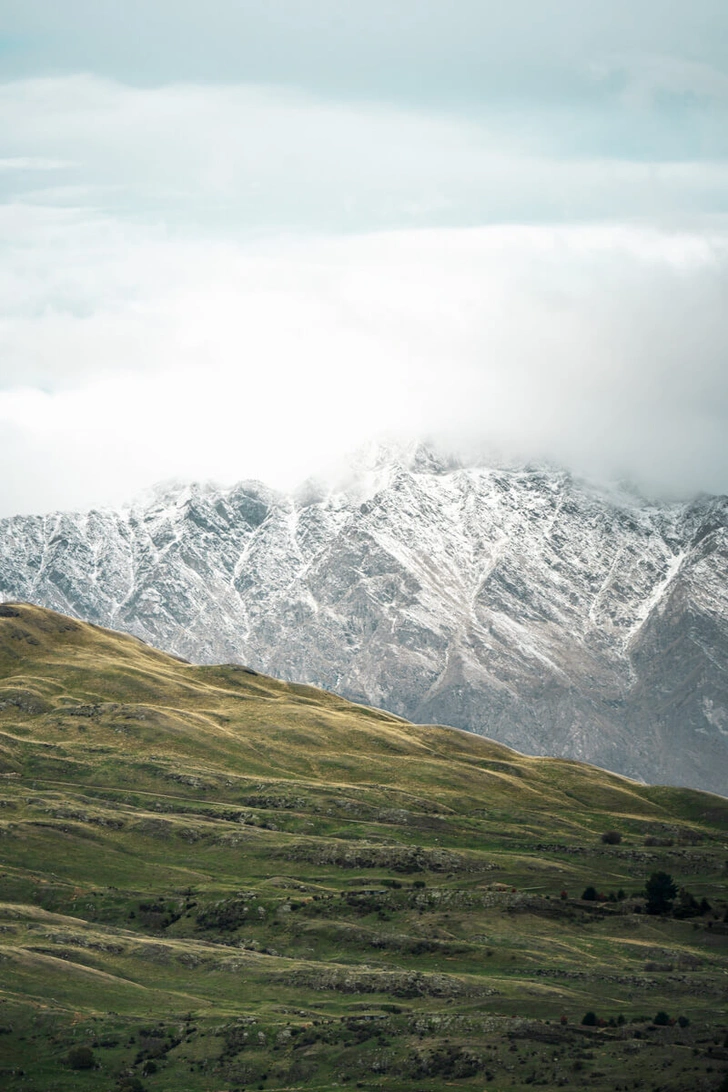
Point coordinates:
[[212, 879]]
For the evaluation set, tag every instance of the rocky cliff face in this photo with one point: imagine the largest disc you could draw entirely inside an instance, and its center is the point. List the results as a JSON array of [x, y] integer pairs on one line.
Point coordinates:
[[518, 603]]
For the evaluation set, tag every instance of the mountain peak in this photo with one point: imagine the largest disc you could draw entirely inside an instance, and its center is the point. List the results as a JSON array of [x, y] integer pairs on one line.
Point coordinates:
[[515, 601]]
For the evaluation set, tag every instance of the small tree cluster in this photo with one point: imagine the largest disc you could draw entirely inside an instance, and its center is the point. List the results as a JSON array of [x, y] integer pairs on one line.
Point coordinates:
[[591, 1020], [687, 906], [590, 894], [611, 837]]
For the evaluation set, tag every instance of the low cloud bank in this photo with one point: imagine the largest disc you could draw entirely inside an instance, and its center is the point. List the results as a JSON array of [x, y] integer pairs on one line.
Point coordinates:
[[599, 347]]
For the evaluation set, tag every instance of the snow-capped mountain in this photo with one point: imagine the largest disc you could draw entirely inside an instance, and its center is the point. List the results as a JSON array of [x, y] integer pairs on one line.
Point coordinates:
[[557, 617]]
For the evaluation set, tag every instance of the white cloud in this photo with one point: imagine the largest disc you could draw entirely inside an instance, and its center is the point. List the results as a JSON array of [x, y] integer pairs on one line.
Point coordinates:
[[197, 359], [31, 163], [648, 74], [412, 50], [257, 158], [176, 301]]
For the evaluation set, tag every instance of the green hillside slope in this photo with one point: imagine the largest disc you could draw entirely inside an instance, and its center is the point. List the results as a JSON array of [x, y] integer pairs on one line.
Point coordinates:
[[214, 880]]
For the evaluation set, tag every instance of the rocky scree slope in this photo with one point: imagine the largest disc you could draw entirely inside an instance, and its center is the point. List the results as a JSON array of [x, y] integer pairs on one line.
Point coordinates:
[[519, 603]]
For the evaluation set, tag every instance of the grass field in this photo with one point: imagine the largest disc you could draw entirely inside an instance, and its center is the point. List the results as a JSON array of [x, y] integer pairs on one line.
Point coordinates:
[[214, 880]]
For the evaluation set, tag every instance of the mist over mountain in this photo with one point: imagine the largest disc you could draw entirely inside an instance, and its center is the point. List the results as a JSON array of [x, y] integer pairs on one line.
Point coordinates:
[[517, 602]]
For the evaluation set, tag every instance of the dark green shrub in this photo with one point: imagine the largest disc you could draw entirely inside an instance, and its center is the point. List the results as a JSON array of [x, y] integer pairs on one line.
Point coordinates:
[[224, 916], [131, 1084], [81, 1057], [590, 894], [590, 1019], [611, 837], [683, 1021], [662, 1019]]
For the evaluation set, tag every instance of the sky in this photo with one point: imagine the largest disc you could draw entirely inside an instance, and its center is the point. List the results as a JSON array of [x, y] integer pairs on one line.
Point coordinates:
[[242, 238]]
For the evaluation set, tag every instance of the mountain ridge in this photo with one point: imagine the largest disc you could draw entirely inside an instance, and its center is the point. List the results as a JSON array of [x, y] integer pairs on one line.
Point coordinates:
[[520, 603]]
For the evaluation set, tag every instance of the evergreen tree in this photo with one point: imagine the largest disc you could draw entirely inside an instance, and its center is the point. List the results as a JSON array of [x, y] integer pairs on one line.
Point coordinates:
[[660, 889]]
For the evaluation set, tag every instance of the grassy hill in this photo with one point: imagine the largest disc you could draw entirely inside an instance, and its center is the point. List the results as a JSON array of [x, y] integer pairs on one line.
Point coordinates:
[[215, 880]]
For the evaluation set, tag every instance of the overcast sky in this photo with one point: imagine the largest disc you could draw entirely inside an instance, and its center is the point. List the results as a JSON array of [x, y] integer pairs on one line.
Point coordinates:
[[240, 238]]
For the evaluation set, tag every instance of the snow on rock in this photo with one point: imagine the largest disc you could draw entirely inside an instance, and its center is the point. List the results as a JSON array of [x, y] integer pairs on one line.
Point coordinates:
[[517, 602]]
